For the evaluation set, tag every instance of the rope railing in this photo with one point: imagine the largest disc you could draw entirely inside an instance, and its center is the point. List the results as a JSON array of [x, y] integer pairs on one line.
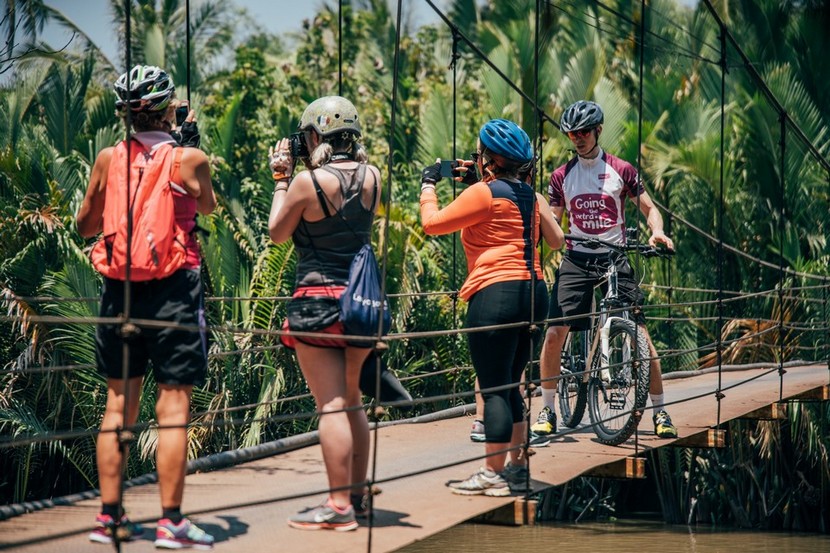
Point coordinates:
[[139, 427], [150, 323], [440, 293]]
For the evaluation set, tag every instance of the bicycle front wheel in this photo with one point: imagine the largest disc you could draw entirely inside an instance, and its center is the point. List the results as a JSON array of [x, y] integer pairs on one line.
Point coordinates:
[[573, 390], [616, 403]]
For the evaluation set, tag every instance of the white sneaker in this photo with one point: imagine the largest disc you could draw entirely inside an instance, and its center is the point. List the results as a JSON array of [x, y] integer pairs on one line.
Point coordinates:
[[484, 482]]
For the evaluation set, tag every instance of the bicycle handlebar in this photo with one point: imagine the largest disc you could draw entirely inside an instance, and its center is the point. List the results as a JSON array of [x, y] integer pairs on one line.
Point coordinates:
[[643, 249]]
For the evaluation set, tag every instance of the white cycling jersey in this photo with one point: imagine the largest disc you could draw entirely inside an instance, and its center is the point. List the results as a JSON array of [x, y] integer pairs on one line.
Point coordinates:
[[593, 192]]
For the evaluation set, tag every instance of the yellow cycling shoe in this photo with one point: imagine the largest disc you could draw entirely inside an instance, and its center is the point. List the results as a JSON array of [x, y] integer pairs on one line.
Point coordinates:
[[663, 426]]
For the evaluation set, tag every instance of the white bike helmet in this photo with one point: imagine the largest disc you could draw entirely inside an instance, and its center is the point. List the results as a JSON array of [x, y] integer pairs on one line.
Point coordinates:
[[330, 115]]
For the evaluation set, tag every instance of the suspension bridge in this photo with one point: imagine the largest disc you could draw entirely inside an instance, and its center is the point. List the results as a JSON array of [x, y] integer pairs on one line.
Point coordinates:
[[246, 505]]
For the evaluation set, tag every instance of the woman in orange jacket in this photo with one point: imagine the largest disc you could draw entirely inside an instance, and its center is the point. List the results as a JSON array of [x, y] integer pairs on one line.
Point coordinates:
[[501, 219]]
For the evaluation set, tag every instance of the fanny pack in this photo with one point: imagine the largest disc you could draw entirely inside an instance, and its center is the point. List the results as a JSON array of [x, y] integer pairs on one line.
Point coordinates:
[[312, 313]]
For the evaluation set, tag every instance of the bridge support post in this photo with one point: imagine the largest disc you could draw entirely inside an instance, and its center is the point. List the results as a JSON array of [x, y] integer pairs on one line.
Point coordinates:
[[773, 411], [821, 393], [711, 438], [518, 513], [629, 467]]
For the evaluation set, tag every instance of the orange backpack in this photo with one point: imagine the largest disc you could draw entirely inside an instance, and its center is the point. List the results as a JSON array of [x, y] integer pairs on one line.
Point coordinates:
[[158, 242]]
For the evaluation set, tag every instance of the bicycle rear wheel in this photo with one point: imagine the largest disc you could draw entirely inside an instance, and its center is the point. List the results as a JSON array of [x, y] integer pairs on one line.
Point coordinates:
[[573, 389], [616, 405]]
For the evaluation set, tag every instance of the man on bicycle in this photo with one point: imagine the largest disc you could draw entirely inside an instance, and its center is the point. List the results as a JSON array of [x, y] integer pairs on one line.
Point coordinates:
[[592, 187]]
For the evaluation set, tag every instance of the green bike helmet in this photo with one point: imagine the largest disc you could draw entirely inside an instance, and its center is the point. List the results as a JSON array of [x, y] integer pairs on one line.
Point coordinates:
[[150, 89], [330, 115]]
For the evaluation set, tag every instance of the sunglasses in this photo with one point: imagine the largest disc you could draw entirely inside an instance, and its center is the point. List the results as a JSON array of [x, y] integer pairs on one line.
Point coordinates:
[[474, 156], [582, 133]]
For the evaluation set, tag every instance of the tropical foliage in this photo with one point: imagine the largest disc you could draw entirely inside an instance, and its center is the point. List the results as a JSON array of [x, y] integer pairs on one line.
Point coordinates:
[[766, 201]]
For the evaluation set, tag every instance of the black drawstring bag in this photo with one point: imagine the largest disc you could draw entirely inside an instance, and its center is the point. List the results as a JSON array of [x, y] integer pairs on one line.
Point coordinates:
[[391, 389], [312, 313]]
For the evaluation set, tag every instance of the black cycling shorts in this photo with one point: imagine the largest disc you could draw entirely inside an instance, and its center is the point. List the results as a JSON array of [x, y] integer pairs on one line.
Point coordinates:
[[179, 356], [573, 289]]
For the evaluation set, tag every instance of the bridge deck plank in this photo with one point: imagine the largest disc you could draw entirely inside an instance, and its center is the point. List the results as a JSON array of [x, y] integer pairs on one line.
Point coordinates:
[[245, 506]]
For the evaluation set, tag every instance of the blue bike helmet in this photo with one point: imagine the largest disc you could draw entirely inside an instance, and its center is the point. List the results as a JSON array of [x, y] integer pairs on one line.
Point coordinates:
[[506, 139]]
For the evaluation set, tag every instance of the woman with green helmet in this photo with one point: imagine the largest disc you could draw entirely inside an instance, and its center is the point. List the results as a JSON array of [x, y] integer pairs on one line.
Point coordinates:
[[327, 210]]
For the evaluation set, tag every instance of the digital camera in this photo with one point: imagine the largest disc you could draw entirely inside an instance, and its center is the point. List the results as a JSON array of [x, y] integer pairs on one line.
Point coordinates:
[[448, 168], [299, 148]]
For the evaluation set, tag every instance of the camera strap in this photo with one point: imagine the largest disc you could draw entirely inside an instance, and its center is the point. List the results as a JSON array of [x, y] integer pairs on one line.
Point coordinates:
[[342, 156]]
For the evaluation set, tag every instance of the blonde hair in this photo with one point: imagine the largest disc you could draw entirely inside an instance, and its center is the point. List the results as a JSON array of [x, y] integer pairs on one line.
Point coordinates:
[[345, 143]]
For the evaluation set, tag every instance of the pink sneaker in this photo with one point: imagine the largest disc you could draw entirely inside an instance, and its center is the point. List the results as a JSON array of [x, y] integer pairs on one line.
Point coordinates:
[[182, 535], [105, 528]]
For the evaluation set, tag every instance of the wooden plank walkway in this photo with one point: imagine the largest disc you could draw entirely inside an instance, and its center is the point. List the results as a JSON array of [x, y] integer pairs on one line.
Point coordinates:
[[246, 506]]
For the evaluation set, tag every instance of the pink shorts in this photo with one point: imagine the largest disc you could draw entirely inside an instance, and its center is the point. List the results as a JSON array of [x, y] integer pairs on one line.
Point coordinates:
[[335, 329]]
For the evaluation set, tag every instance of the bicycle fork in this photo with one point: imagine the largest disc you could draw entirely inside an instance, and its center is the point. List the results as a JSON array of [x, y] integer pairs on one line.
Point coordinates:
[[601, 346], [605, 349]]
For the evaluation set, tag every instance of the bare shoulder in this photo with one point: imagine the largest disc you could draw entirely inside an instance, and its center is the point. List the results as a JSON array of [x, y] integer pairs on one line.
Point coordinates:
[[374, 170], [106, 153], [301, 183], [102, 160], [100, 169], [194, 157]]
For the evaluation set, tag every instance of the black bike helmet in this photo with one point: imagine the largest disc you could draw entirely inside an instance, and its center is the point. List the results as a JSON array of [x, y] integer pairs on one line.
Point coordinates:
[[581, 115], [150, 89]]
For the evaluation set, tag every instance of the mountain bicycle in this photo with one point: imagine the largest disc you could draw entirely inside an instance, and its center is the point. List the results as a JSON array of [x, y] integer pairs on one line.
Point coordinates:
[[606, 368]]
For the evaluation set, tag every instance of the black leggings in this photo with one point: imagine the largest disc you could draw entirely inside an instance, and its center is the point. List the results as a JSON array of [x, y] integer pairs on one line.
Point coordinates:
[[499, 356]]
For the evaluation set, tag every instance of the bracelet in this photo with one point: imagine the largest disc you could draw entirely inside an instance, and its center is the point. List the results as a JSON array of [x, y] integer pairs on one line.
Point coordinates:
[[282, 186], [427, 186], [281, 176]]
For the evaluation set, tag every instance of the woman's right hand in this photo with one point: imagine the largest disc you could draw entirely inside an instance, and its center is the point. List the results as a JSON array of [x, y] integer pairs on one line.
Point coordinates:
[[431, 174]]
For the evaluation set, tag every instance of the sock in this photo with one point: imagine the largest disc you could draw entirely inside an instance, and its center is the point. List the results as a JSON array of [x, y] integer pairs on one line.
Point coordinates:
[[173, 513], [657, 402], [341, 510], [549, 398], [112, 510]]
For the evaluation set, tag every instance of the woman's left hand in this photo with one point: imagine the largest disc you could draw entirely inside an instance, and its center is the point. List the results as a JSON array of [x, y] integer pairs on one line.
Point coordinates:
[[279, 158], [467, 170]]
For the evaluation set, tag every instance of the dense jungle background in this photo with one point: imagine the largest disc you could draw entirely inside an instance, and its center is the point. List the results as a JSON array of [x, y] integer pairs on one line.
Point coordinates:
[[671, 115]]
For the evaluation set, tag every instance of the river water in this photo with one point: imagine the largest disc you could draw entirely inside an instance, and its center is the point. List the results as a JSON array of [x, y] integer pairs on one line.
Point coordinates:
[[618, 537]]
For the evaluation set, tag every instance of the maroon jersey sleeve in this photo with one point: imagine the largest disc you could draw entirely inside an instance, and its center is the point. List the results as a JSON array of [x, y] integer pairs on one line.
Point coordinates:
[[632, 185], [556, 193]]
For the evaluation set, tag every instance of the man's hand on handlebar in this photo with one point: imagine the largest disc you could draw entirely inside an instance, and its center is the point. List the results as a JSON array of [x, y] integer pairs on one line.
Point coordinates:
[[662, 246], [658, 238]]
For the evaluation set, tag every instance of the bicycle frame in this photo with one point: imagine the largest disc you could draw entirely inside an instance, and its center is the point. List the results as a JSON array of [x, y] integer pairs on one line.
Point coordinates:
[[615, 376], [599, 340]]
